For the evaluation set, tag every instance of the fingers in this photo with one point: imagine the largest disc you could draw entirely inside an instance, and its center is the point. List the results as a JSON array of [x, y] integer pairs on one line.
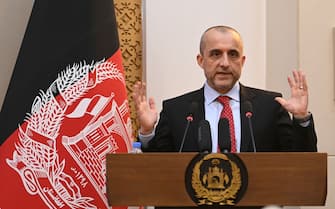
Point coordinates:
[[304, 81], [140, 99], [139, 89], [299, 81], [139, 93], [297, 104], [152, 104]]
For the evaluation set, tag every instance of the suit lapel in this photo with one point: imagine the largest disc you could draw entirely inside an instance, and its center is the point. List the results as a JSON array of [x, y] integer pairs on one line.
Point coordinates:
[[199, 98], [199, 114], [245, 95]]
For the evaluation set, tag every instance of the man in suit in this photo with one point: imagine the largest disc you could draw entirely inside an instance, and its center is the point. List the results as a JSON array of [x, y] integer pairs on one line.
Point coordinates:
[[221, 57]]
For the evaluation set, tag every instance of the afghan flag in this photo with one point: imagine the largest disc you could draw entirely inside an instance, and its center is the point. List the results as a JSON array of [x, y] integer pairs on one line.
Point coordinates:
[[65, 109]]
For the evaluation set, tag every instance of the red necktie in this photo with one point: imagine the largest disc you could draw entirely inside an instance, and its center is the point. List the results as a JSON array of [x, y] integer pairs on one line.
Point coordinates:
[[227, 113]]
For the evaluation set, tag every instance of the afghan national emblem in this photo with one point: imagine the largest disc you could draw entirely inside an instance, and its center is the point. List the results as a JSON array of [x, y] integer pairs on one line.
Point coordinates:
[[216, 179]]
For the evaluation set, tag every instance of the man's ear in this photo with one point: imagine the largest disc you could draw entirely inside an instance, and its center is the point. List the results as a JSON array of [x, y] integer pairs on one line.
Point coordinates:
[[243, 60], [200, 60]]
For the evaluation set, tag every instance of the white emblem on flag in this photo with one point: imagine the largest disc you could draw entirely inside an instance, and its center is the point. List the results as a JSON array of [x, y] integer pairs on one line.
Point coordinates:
[[84, 104], [36, 158]]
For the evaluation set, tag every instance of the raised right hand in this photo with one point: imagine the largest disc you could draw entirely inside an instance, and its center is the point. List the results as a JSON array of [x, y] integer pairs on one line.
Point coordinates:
[[146, 110]]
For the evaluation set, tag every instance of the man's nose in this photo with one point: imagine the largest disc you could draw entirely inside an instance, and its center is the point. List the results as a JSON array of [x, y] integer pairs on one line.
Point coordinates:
[[224, 61]]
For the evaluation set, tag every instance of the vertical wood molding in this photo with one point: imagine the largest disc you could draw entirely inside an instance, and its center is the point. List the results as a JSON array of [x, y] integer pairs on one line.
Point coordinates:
[[129, 19]]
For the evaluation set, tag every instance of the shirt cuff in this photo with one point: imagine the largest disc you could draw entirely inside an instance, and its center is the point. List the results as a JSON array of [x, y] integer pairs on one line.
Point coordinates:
[[144, 139], [304, 122]]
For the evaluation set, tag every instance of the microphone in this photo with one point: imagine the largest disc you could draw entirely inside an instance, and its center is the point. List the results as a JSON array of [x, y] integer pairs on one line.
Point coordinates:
[[204, 137], [224, 135], [189, 118], [248, 114]]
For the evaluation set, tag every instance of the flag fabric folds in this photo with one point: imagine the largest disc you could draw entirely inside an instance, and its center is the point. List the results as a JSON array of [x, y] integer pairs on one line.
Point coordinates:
[[66, 108]]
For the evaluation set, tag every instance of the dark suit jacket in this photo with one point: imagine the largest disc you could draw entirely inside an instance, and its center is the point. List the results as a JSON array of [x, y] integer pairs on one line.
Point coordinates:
[[273, 128]]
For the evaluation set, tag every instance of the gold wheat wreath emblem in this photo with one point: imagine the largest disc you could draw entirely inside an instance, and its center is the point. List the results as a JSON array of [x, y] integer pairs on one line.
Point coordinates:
[[216, 179]]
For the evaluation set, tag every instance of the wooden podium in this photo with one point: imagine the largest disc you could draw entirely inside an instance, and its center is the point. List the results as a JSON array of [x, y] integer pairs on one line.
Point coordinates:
[[158, 179]]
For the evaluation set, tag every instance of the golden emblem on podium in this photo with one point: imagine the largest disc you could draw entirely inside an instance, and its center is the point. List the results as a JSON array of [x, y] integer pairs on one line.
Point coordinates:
[[216, 179]]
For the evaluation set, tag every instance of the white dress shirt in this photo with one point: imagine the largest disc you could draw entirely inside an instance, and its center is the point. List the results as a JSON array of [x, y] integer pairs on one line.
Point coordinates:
[[213, 110]]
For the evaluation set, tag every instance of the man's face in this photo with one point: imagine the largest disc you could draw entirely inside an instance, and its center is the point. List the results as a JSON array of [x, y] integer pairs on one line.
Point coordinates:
[[222, 59]]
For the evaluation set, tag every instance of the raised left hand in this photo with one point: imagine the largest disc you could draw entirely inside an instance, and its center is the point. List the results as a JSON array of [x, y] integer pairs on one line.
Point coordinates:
[[298, 103]]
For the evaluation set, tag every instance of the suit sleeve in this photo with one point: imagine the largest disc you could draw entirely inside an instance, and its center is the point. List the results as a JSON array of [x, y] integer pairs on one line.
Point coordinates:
[[162, 142], [306, 139], [276, 131], [293, 137]]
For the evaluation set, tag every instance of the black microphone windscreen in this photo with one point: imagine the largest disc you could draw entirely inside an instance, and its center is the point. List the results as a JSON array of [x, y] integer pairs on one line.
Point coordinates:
[[248, 114], [193, 107], [204, 137], [248, 108], [224, 135]]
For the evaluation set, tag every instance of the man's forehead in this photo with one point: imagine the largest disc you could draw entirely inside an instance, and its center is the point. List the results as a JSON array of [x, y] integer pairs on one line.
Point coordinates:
[[215, 39]]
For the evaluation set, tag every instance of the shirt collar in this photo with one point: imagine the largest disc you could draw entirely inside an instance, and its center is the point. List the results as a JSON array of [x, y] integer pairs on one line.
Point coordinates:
[[211, 94]]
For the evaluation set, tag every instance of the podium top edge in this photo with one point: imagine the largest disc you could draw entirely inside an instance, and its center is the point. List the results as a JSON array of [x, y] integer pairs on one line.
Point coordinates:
[[240, 153]]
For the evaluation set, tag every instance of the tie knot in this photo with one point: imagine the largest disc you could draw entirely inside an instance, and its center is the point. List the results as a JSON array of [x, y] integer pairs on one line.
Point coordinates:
[[223, 100]]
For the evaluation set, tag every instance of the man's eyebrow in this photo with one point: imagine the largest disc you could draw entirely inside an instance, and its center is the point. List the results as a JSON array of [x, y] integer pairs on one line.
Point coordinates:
[[214, 50], [233, 50]]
